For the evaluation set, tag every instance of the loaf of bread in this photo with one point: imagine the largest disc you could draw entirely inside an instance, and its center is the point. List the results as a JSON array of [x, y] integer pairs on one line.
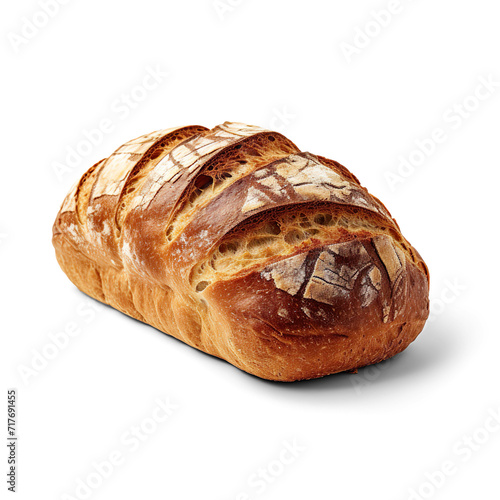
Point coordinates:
[[239, 244]]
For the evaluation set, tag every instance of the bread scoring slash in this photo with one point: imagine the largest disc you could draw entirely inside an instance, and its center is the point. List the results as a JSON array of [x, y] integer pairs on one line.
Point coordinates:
[[237, 243]]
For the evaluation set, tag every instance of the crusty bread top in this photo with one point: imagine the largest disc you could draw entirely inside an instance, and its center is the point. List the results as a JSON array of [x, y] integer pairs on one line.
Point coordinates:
[[189, 207]]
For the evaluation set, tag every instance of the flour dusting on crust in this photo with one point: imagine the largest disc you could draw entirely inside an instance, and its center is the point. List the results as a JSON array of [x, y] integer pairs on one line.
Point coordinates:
[[255, 199], [288, 274]]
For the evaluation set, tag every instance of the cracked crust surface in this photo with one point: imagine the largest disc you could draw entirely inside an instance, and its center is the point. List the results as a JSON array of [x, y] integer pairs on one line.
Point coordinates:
[[239, 244]]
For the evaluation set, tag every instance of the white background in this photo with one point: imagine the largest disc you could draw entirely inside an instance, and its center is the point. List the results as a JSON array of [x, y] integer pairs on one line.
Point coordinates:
[[379, 434]]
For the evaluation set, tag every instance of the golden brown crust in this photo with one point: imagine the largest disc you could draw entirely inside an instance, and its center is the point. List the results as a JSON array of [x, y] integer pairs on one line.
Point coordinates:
[[240, 245]]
